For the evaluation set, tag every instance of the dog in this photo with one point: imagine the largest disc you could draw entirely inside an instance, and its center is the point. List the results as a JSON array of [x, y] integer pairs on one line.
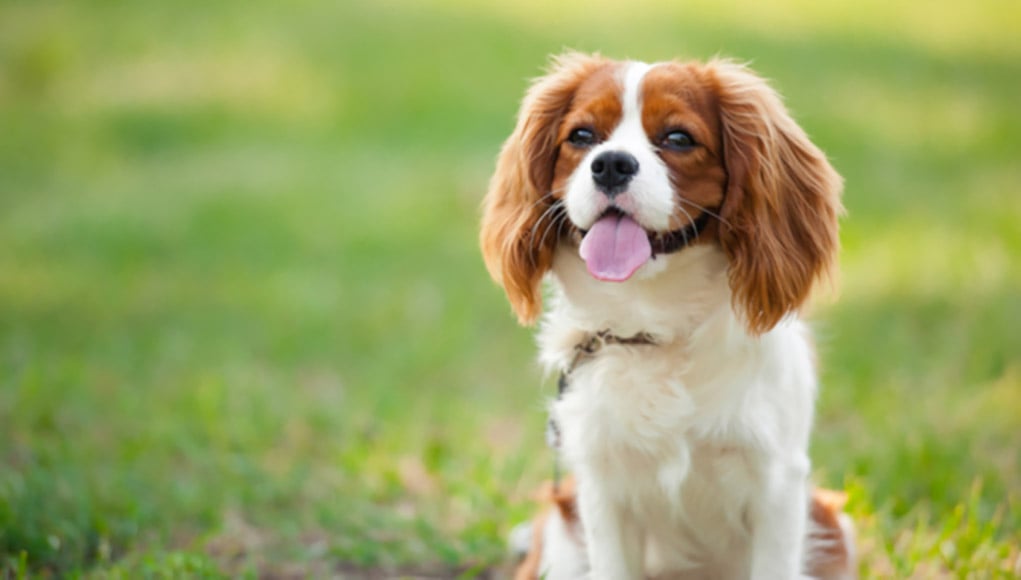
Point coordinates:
[[682, 218]]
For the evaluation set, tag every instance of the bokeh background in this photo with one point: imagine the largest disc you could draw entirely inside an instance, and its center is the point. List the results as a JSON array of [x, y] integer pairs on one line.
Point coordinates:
[[245, 327]]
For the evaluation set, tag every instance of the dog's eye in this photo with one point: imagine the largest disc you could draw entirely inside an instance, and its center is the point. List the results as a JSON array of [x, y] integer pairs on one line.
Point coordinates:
[[582, 137], [677, 141]]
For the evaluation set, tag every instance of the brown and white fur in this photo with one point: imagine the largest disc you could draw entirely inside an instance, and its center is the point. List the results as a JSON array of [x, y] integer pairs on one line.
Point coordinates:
[[690, 453], [556, 532]]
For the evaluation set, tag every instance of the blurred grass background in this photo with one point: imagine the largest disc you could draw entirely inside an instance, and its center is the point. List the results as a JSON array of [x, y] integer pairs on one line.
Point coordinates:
[[244, 327]]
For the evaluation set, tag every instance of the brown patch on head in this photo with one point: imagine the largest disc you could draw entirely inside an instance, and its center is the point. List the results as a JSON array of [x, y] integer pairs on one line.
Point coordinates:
[[775, 197], [597, 107], [772, 197], [676, 97], [515, 238]]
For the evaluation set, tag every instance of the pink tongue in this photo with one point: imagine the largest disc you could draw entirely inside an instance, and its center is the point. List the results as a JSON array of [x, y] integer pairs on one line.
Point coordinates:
[[615, 247]]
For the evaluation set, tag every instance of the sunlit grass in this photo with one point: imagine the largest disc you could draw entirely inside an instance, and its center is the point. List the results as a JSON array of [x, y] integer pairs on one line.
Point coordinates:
[[244, 325]]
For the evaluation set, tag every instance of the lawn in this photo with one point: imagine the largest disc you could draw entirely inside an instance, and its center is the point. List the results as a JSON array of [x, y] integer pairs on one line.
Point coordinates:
[[245, 328]]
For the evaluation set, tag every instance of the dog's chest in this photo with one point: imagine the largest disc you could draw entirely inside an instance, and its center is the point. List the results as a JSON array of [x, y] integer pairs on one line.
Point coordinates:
[[636, 410], [674, 452]]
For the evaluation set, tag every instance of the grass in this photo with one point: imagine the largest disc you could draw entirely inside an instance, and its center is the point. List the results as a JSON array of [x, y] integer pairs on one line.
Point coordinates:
[[244, 328]]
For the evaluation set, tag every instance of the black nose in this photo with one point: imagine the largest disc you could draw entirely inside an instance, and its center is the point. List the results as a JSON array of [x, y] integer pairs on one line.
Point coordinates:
[[611, 170]]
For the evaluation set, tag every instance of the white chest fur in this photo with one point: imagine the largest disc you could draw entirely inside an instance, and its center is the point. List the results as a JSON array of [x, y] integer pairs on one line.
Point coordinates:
[[680, 436]]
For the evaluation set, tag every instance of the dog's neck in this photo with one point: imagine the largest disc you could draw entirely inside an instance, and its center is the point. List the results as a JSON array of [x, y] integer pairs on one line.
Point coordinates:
[[667, 298], [672, 299]]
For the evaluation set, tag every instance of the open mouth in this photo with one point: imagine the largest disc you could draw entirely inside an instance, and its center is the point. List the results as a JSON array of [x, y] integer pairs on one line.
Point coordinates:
[[616, 245]]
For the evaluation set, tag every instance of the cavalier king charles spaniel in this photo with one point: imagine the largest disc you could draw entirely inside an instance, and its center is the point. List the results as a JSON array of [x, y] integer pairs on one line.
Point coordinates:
[[682, 217]]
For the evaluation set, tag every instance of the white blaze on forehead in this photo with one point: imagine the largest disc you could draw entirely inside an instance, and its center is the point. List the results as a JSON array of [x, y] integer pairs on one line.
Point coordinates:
[[650, 190], [631, 100]]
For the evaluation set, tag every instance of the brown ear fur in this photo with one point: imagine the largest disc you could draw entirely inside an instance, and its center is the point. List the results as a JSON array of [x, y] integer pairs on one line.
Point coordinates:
[[516, 250], [782, 200]]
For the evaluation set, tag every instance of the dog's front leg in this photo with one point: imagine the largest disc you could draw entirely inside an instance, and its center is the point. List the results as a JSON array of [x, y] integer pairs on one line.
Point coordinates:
[[779, 519], [613, 538]]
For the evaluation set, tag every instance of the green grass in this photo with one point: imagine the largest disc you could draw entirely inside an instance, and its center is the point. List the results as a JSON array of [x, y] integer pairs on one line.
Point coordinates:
[[244, 327]]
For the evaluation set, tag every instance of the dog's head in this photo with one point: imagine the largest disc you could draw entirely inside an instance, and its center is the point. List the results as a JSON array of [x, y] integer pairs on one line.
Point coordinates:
[[628, 161]]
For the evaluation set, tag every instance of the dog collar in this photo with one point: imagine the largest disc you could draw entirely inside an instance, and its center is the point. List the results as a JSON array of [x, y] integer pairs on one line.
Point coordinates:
[[587, 348], [682, 238]]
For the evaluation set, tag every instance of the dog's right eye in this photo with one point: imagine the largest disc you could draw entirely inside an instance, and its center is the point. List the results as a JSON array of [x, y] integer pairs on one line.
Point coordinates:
[[582, 137]]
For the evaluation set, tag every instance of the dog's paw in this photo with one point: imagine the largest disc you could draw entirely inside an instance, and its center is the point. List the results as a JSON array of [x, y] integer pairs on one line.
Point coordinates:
[[519, 541]]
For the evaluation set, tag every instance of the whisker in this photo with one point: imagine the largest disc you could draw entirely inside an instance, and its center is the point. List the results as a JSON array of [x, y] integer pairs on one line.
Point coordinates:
[[557, 219], [706, 210], [691, 220], [564, 221], [541, 199], [670, 221], [549, 212], [549, 228], [547, 196]]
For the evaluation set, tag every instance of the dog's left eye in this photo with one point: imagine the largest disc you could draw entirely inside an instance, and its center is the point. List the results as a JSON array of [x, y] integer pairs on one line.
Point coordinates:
[[677, 141], [582, 137]]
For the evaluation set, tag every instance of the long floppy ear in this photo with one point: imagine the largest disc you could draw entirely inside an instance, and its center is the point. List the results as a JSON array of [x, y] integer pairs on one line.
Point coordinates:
[[782, 200], [517, 254]]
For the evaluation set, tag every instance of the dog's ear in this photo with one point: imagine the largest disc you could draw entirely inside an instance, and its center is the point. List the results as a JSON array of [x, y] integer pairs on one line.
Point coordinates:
[[516, 253], [782, 200]]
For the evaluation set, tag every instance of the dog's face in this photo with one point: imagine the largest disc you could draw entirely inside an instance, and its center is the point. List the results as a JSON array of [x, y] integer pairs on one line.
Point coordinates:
[[628, 161], [641, 143]]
